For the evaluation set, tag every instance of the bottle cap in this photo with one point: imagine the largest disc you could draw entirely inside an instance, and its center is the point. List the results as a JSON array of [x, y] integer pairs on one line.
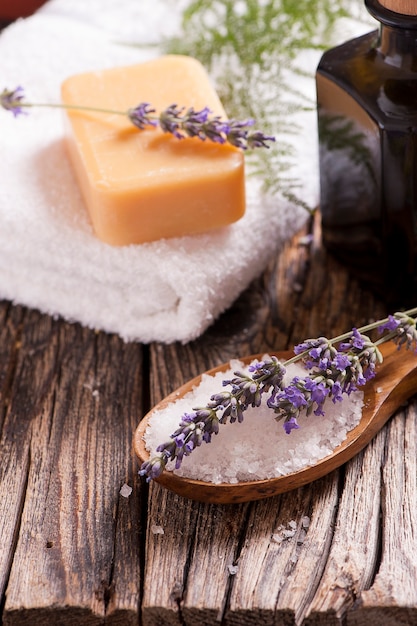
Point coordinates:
[[405, 7]]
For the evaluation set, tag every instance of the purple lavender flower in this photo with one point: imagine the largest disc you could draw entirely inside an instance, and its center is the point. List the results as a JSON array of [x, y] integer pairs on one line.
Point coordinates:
[[341, 362], [301, 393], [290, 424], [140, 116], [194, 121], [237, 132], [199, 124], [215, 130], [318, 393], [309, 344], [319, 352], [12, 100], [336, 392], [391, 324], [194, 429], [406, 331], [356, 341], [153, 468], [257, 139], [294, 395], [170, 121]]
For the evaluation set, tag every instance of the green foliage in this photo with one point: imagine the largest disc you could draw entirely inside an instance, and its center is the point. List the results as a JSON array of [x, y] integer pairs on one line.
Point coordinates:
[[250, 48], [255, 30]]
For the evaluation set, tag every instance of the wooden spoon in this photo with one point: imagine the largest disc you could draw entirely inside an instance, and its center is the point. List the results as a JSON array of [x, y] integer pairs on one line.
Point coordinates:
[[395, 382]]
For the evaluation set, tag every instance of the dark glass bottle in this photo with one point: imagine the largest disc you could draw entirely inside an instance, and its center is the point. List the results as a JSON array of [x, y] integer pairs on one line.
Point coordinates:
[[367, 115]]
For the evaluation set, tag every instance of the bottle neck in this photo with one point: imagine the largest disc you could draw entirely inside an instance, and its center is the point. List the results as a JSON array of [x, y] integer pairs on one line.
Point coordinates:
[[397, 42], [398, 47]]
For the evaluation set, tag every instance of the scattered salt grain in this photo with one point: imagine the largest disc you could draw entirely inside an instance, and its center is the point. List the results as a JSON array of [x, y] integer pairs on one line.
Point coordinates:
[[233, 569], [125, 491], [157, 530], [306, 240], [284, 534], [258, 448]]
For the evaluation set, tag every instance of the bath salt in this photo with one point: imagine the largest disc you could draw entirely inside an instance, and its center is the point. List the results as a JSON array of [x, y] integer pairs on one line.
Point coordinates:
[[257, 448], [126, 490]]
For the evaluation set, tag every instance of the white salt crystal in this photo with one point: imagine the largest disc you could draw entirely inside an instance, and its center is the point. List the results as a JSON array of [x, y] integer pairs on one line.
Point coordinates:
[[301, 537], [233, 569], [125, 491], [157, 530], [258, 448], [284, 534]]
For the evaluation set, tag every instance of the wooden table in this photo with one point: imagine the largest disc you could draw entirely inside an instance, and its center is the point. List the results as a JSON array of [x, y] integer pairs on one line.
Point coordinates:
[[74, 550]]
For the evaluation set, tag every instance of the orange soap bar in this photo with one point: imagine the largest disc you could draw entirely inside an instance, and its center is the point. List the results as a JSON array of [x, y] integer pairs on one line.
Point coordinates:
[[143, 185]]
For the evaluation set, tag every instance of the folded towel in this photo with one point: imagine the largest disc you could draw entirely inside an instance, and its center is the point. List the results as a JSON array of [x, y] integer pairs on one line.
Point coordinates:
[[50, 259]]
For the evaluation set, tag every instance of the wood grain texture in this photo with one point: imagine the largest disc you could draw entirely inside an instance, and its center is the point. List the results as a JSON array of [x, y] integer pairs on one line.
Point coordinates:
[[283, 555], [73, 550], [14, 458], [69, 421], [392, 598], [353, 555]]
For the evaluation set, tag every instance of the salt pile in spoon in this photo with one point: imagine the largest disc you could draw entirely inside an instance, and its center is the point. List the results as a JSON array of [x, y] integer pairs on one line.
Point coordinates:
[[258, 448]]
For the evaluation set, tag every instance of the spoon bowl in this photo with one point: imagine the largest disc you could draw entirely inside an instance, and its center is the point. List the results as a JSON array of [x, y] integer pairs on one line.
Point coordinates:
[[394, 383]]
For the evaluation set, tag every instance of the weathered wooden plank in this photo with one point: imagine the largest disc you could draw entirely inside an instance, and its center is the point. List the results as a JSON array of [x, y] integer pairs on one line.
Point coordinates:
[[213, 562], [392, 598], [190, 545], [14, 462], [81, 393], [170, 535], [283, 555], [353, 555]]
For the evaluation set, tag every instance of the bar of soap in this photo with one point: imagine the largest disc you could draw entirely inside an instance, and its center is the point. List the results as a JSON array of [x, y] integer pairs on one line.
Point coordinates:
[[143, 185]]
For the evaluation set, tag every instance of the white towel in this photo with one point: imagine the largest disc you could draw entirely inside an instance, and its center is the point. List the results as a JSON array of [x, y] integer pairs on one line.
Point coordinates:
[[50, 259]]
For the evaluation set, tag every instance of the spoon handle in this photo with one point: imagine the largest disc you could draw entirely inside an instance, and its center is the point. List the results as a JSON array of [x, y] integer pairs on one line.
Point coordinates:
[[395, 382]]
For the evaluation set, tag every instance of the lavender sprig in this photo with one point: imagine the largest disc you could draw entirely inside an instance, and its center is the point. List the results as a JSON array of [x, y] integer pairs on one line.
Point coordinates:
[[177, 121], [336, 367], [333, 372], [203, 422], [13, 100]]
